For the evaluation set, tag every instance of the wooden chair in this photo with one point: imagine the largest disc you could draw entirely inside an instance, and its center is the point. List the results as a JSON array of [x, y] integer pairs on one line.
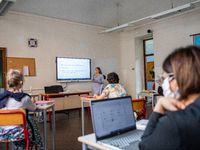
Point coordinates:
[[15, 117], [139, 105]]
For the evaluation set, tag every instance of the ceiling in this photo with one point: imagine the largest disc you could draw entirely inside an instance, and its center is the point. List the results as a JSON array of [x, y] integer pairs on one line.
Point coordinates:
[[104, 13]]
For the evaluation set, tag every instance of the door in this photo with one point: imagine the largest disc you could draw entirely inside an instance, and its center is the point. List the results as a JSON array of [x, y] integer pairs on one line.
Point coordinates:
[[3, 69]]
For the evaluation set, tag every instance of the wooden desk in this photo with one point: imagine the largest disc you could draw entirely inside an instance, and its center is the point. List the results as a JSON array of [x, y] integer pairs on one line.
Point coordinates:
[[152, 95], [44, 110], [47, 96], [61, 105]]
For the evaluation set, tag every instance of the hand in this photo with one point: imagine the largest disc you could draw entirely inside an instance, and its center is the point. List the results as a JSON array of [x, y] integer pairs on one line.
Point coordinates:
[[168, 104], [99, 82], [95, 95], [33, 100]]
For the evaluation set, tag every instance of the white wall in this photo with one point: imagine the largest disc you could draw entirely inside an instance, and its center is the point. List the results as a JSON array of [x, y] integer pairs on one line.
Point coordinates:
[[57, 38], [168, 34], [112, 52]]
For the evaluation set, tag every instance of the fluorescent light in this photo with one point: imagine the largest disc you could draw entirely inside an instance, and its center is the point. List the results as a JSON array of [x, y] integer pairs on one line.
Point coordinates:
[[118, 28], [173, 11], [163, 14]]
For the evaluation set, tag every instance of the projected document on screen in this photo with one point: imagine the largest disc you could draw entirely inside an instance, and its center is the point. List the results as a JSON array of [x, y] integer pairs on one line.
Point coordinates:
[[73, 68]]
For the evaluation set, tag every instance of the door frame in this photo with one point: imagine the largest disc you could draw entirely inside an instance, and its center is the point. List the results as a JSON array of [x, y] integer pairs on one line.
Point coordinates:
[[4, 60], [144, 58]]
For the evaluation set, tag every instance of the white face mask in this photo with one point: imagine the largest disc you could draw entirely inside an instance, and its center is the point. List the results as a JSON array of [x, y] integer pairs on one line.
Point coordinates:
[[166, 89]]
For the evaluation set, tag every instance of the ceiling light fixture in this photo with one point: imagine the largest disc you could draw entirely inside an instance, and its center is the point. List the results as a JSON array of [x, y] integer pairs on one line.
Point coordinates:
[[118, 28], [5, 6], [173, 11], [161, 15]]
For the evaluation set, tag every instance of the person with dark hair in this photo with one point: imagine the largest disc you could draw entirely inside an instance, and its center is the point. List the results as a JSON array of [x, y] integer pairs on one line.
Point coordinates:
[[98, 80], [113, 89], [174, 123]]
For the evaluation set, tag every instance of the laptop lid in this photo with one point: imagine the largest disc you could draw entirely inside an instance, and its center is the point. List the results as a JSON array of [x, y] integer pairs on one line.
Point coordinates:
[[112, 117]]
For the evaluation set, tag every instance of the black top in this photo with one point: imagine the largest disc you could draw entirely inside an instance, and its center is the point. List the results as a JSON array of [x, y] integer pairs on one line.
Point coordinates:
[[160, 90], [176, 130]]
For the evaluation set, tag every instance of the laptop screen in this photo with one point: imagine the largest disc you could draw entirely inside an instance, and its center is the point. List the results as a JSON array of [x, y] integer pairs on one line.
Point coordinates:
[[112, 116]]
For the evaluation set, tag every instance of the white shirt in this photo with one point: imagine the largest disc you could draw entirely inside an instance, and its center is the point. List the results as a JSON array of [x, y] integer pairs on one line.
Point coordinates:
[[12, 104]]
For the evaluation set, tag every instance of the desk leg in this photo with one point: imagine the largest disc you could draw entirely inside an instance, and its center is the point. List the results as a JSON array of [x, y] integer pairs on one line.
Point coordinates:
[[138, 96], [152, 101], [45, 132], [53, 128], [84, 146], [82, 105]]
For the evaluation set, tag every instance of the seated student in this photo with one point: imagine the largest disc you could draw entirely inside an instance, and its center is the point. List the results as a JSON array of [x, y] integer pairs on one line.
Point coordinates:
[[175, 121], [113, 89], [13, 99]]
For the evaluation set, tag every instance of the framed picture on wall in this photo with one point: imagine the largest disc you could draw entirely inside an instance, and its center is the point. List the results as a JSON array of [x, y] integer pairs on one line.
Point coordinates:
[[196, 39]]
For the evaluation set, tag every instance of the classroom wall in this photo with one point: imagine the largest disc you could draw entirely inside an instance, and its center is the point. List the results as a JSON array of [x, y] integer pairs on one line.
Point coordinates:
[[168, 34], [57, 38], [119, 51]]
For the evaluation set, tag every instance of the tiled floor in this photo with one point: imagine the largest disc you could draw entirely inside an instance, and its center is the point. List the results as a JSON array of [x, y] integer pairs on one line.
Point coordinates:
[[68, 129]]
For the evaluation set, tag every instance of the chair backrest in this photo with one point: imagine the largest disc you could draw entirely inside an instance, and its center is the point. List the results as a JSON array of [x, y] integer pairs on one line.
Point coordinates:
[[138, 103], [12, 117], [53, 89]]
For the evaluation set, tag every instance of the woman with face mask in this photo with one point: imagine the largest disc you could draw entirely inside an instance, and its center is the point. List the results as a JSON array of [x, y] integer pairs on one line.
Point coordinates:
[[174, 123]]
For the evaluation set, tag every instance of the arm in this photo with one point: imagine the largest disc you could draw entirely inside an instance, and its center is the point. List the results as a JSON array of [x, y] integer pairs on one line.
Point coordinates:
[[102, 96], [161, 129], [161, 134], [30, 103], [92, 77]]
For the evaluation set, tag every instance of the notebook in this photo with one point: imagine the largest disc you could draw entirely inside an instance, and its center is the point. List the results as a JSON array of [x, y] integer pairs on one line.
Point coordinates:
[[44, 103], [114, 123]]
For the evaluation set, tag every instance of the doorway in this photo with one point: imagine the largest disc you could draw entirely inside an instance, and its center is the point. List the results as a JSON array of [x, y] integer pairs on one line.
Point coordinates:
[[149, 74], [3, 69]]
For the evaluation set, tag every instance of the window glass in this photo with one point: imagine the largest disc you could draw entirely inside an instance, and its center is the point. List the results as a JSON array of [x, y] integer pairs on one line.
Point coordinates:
[[149, 58], [149, 47]]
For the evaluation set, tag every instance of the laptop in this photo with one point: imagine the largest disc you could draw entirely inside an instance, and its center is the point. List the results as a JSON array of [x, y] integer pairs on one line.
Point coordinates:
[[114, 123]]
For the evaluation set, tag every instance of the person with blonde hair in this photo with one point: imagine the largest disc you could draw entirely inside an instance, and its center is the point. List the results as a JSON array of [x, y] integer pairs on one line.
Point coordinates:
[[13, 99], [175, 121]]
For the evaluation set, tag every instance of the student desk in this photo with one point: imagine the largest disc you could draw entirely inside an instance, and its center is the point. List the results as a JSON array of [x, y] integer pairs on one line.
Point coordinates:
[[90, 140], [44, 110], [84, 99], [152, 95]]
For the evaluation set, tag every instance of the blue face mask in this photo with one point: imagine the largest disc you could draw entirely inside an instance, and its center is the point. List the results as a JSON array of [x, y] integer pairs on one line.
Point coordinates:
[[166, 89]]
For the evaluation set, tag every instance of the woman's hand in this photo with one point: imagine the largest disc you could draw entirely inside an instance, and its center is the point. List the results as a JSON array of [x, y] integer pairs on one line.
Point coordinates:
[[33, 100], [95, 95], [168, 104]]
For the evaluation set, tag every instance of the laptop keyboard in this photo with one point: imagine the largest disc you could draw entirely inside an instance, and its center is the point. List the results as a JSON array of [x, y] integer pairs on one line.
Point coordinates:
[[125, 141]]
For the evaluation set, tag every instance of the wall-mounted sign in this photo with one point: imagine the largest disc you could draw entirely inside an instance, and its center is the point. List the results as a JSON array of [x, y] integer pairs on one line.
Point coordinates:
[[32, 43]]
